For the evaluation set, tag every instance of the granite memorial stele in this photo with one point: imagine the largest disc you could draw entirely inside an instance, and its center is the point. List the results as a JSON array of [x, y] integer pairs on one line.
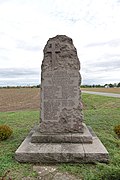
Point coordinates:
[[61, 135]]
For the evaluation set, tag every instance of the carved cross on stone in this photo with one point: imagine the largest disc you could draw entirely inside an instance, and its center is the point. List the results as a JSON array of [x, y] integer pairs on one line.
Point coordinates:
[[53, 49]]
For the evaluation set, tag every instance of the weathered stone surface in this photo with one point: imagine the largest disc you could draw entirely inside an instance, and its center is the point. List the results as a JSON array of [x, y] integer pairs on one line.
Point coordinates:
[[60, 53], [61, 108], [65, 176], [51, 173], [84, 137], [61, 152], [44, 170], [61, 136], [99, 153]]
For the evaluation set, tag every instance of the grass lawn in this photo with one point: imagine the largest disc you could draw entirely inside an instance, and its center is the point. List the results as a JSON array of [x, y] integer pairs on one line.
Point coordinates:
[[101, 113]]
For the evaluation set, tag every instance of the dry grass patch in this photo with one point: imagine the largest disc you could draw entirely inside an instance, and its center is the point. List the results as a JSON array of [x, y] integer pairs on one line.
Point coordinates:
[[19, 99]]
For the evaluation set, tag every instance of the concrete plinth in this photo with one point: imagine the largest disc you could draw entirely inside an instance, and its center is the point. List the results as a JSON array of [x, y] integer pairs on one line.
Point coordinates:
[[61, 152]]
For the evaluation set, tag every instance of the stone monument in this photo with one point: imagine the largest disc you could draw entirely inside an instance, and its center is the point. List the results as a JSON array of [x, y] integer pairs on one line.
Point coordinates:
[[61, 135]]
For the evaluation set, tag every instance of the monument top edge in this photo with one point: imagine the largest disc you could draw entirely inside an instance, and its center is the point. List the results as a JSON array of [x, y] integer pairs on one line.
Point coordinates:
[[60, 38]]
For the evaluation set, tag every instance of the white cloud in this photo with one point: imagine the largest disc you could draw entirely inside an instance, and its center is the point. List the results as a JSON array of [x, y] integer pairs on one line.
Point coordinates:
[[94, 26]]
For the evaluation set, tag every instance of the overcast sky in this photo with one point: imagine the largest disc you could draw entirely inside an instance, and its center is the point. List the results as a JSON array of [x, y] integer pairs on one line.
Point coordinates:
[[26, 25]]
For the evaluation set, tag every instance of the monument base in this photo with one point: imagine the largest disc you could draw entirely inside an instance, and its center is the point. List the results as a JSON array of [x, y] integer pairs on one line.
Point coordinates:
[[85, 137], [61, 152]]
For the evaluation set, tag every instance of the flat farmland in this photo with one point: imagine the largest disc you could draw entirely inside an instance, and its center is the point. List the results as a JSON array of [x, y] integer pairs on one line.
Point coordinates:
[[106, 90], [14, 99]]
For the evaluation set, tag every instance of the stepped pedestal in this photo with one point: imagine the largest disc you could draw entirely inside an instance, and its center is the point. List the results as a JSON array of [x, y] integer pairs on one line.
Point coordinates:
[[61, 135]]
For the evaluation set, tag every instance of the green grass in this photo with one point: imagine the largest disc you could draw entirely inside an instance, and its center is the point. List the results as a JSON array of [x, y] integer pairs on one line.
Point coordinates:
[[101, 113], [21, 123]]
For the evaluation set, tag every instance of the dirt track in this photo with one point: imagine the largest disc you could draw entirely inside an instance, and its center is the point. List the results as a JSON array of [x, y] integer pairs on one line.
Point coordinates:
[[19, 99]]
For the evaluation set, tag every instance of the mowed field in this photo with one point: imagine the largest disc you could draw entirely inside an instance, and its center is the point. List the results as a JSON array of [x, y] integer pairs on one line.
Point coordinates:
[[107, 90], [14, 99]]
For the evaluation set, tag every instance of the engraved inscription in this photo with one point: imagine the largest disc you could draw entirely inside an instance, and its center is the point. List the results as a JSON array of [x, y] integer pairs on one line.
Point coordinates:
[[51, 109], [51, 92], [60, 90]]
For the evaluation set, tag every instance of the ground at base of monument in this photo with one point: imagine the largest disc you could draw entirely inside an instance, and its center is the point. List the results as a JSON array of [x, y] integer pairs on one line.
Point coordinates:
[[61, 152], [51, 172]]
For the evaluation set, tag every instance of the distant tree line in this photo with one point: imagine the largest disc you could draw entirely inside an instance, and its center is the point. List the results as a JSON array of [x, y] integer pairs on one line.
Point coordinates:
[[7, 87], [82, 86]]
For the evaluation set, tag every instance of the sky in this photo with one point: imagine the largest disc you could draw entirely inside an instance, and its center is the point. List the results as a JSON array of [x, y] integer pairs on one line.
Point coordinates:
[[26, 25]]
